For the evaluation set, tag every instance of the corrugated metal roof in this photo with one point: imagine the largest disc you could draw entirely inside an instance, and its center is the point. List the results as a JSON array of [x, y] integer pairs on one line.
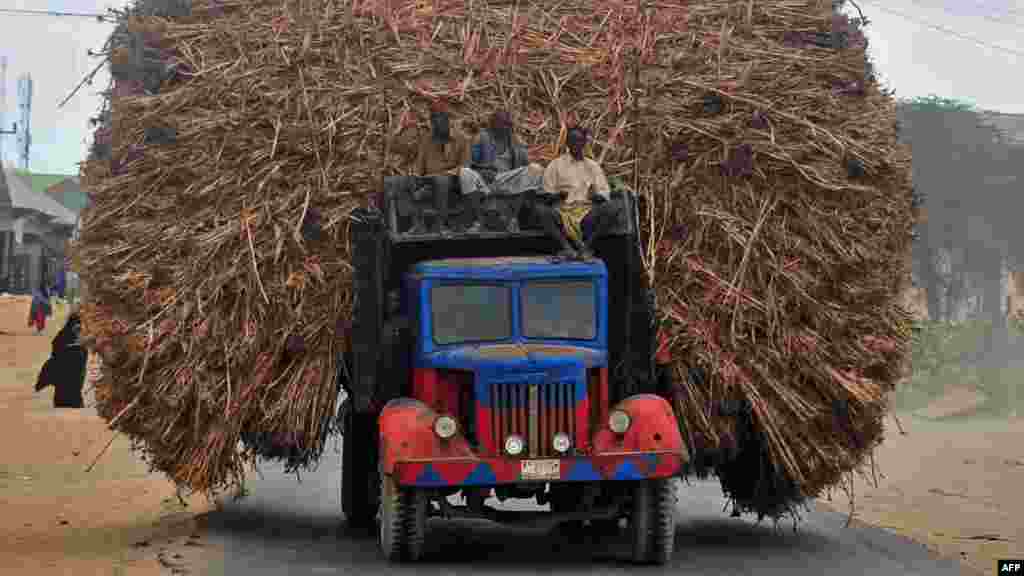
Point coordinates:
[[70, 194], [17, 193]]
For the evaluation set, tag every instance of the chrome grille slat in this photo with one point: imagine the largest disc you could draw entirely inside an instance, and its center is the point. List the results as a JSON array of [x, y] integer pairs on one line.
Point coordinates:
[[560, 426], [545, 411], [552, 415], [535, 416]]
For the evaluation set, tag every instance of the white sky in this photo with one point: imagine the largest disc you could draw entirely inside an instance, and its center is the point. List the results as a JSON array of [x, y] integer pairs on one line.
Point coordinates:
[[912, 58], [917, 60], [54, 51]]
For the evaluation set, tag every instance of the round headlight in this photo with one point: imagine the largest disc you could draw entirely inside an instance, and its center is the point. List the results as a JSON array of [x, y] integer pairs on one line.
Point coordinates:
[[619, 421], [445, 427], [561, 442], [514, 445]]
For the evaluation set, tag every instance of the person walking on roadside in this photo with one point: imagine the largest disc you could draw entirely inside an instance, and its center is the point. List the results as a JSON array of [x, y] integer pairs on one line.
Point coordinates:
[[60, 286], [40, 309], [66, 368]]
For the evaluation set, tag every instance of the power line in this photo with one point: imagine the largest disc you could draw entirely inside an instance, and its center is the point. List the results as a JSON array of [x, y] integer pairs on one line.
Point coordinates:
[[944, 29], [99, 17], [1006, 10], [988, 17]]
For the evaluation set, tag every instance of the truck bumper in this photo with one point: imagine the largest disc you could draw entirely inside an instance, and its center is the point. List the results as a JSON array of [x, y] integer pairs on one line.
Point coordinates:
[[450, 472]]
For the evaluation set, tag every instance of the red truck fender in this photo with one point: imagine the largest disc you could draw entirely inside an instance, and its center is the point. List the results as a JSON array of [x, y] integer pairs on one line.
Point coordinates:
[[653, 428], [407, 433]]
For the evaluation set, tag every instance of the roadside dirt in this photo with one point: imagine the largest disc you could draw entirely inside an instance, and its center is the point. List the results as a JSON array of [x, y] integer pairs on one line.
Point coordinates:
[[118, 519], [957, 401], [952, 486]]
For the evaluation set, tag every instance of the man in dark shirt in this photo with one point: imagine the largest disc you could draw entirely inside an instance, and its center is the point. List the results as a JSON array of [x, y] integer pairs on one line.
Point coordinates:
[[441, 153]]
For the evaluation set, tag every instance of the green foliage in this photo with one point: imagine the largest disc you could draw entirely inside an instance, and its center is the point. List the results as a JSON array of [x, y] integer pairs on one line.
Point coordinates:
[[938, 346], [40, 182], [944, 354], [938, 104]]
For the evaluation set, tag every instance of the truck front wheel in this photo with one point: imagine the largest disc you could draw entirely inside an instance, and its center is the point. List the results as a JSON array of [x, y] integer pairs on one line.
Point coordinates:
[[652, 521], [403, 521]]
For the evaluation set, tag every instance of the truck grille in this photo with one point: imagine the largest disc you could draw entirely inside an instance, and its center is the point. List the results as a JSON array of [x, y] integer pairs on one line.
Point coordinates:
[[534, 412]]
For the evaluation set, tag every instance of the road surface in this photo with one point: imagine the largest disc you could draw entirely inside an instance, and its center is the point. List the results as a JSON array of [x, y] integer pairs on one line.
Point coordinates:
[[290, 526]]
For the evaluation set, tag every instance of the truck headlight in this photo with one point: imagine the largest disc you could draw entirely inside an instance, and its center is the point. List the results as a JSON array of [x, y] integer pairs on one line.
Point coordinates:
[[619, 421], [514, 445], [445, 427], [561, 443]]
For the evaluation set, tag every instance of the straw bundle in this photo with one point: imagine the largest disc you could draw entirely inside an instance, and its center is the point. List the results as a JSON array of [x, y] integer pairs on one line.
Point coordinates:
[[779, 207]]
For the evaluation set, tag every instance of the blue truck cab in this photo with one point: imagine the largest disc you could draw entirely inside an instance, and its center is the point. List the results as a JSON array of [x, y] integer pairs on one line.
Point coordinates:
[[524, 337]]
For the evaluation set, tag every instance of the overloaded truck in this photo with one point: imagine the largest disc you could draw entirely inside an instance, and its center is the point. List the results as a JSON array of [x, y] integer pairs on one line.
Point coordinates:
[[483, 365]]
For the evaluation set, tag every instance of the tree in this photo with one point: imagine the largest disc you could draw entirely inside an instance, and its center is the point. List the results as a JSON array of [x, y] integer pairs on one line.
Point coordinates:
[[966, 172]]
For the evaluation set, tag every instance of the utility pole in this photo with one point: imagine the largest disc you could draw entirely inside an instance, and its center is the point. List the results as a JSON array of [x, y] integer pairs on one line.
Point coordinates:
[[25, 109], [3, 107]]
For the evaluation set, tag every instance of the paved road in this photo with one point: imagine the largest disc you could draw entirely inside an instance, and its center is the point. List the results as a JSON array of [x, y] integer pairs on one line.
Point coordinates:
[[290, 527]]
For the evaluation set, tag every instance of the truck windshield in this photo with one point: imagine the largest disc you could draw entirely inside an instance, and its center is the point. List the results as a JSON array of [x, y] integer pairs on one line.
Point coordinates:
[[559, 309], [470, 313]]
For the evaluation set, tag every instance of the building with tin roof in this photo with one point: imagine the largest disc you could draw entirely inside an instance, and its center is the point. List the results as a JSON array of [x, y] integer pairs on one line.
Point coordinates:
[[34, 229]]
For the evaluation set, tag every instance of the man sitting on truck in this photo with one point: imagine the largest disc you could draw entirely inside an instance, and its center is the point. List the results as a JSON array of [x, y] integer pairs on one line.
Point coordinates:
[[443, 151], [500, 166], [441, 154], [577, 189]]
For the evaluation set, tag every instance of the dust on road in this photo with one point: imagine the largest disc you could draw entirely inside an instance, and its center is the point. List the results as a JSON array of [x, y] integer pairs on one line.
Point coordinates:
[[118, 519], [953, 485]]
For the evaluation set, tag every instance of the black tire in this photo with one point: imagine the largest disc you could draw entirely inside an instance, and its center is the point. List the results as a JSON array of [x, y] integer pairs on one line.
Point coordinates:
[[415, 523], [652, 521], [403, 521], [664, 529], [360, 481], [640, 521]]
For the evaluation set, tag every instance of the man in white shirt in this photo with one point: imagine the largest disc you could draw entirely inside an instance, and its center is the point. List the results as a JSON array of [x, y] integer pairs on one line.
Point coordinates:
[[579, 186]]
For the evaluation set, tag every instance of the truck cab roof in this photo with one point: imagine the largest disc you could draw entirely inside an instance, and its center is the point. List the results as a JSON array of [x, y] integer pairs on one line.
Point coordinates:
[[509, 268]]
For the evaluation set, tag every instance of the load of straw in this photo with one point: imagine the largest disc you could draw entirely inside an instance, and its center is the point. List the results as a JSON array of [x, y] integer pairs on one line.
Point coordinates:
[[242, 134]]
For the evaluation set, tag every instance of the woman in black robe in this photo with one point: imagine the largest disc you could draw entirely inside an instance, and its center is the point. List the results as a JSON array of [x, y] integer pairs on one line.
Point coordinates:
[[65, 369]]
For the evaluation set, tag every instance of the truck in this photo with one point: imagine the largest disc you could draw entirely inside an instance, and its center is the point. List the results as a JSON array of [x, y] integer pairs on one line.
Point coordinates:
[[483, 365]]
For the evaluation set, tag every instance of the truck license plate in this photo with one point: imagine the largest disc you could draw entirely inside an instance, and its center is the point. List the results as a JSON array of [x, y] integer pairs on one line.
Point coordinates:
[[540, 470]]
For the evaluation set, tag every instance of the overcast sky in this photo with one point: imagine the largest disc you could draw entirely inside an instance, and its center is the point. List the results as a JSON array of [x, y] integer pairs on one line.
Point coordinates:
[[913, 58], [54, 51]]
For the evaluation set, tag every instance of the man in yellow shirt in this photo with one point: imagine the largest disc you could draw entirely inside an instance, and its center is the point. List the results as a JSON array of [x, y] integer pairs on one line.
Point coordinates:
[[580, 188]]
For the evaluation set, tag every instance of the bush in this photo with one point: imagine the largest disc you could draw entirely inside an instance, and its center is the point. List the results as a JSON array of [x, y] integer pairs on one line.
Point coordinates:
[[945, 353]]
